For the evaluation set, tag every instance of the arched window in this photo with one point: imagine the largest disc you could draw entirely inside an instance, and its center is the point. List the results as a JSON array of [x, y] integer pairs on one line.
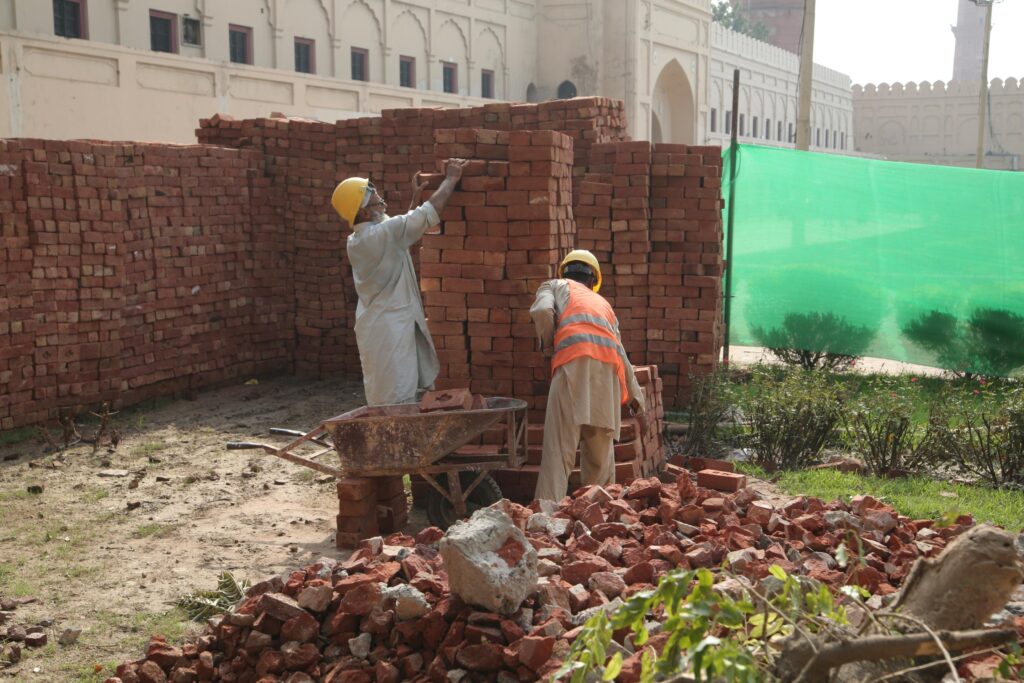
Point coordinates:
[[531, 93], [566, 90]]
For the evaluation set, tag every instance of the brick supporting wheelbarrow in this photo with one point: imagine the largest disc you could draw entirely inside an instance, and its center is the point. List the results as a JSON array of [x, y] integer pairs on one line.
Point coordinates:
[[381, 441]]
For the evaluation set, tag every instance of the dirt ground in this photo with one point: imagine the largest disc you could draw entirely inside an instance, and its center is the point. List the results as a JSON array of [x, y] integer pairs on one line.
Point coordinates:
[[91, 563]]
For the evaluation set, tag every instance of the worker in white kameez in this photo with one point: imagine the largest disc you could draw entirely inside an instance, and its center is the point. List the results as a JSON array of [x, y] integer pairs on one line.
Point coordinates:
[[591, 377], [395, 348]]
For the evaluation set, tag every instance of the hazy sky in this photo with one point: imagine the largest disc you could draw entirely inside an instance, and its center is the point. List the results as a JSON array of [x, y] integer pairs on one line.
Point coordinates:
[[909, 40]]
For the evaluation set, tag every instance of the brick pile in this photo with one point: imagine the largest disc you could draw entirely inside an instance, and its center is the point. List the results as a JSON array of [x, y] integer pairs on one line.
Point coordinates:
[[503, 234], [188, 300], [369, 506], [131, 274], [17, 339], [686, 264], [245, 220], [389, 149], [387, 614], [628, 167]]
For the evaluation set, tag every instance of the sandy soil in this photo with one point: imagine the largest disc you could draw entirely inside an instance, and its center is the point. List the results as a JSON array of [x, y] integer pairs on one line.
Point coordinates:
[[90, 562], [752, 355]]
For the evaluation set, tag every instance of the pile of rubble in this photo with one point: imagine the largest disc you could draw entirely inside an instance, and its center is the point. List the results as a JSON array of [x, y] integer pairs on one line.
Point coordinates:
[[501, 596]]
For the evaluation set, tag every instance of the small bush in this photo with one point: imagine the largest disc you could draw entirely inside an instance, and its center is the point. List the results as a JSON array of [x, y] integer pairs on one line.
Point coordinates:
[[984, 438], [815, 341], [791, 417], [880, 426], [711, 402]]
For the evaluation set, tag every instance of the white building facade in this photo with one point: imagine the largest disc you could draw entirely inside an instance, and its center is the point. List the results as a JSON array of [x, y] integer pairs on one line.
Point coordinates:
[[769, 83], [149, 69]]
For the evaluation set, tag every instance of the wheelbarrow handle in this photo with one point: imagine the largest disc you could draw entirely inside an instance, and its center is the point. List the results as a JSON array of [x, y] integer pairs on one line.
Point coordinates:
[[243, 445], [286, 432]]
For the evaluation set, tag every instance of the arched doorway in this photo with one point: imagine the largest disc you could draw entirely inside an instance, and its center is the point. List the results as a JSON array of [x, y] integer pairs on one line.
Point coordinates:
[[566, 90], [656, 129], [672, 106], [531, 93]]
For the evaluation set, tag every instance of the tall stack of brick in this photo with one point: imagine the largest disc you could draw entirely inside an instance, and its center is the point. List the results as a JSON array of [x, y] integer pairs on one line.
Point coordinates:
[[17, 336], [684, 316], [321, 307], [628, 164], [136, 270], [503, 234], [131, 274], [192, 305], [593, 212], [587, 120]]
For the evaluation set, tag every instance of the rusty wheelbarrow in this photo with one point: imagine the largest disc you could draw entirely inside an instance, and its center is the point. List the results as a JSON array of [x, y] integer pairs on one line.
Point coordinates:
[[379, 441]]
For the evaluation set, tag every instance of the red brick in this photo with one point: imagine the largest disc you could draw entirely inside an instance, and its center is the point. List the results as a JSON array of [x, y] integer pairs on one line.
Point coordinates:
[[721, 481]]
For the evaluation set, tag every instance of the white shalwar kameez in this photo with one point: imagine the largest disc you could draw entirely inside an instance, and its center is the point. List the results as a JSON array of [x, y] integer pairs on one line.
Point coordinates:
[[395, 348]]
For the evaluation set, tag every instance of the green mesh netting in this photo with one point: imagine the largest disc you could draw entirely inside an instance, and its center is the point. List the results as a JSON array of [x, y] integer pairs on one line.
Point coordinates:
[[908, 262]]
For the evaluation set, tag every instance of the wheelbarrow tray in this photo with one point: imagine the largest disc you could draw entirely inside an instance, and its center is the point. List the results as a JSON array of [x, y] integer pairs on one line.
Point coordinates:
[[377, 440]]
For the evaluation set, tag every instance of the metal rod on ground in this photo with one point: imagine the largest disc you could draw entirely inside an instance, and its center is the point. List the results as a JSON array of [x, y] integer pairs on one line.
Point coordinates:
[[803, 119], [983, 98], [733, 148]]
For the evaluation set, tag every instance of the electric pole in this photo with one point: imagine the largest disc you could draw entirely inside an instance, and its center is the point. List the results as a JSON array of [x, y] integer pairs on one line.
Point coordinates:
[[803, 118], [983, 97]]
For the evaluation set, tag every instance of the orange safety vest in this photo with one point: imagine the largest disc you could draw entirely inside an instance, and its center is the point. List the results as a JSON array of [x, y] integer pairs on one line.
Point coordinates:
[[587, 329]]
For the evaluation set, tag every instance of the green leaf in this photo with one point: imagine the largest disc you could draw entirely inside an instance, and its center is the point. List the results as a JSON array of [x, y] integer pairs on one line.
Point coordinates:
[[778, 572], [613, 667]]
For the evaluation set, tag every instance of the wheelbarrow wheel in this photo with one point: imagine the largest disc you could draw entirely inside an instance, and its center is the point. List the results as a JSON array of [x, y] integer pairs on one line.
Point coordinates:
[[441, 513]]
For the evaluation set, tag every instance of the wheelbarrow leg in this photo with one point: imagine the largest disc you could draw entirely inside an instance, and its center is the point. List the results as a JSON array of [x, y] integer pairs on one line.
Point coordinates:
[[458, 498]]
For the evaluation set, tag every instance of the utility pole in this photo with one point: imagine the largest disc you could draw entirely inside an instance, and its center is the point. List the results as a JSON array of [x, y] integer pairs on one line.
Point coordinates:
[[983, 97], [803, 118]]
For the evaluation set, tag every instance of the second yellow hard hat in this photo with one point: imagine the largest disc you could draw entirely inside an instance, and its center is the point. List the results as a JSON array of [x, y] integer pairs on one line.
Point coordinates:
[[582, 256]]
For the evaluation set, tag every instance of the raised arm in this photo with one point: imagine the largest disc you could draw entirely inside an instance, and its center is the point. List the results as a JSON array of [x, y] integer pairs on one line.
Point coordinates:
[[452, 175]]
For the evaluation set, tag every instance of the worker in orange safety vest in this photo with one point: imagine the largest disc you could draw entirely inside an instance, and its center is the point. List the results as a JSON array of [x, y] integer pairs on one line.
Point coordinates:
[[591, 377]]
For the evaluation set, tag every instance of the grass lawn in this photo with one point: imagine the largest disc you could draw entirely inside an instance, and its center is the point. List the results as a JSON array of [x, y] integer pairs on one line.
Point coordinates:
[[916, 497]]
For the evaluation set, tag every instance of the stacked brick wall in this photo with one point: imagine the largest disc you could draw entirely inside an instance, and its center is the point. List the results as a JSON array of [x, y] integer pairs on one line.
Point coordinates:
[[627, 166], [504, 232], [653, 214], [132, 270], [389, 149], [129, 271], [17, 343], [685, 304]]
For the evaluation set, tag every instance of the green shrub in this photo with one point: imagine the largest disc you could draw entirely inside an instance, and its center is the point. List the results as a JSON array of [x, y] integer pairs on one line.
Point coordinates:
[[791, 417], [983, 438], [711, 402], [880, 426]]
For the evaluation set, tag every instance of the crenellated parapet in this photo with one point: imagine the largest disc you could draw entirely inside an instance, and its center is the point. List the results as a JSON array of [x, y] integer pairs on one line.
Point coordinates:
[[937, 121], [997, 86]]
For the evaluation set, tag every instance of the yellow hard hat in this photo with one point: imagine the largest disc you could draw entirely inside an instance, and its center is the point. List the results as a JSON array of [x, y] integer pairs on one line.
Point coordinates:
[[350, 196], [582, 256]]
